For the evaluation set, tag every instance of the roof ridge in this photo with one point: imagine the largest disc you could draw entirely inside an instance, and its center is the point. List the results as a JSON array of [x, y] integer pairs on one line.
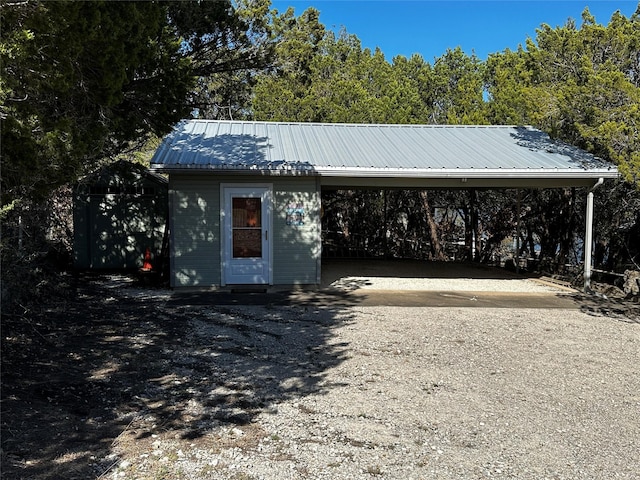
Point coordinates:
[[363, 125]]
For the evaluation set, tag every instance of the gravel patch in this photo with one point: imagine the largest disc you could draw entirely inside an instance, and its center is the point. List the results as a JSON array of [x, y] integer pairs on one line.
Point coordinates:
[[393, 393]]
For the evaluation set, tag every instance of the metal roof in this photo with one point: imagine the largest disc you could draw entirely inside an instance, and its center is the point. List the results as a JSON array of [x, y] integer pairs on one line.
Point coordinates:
[[376, 151]]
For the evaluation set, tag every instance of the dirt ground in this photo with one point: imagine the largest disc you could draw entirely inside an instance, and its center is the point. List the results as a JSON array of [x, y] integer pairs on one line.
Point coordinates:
[[87, 377]]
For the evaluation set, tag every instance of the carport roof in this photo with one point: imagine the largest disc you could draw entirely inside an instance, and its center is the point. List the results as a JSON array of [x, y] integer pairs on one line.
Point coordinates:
[[380, 155]]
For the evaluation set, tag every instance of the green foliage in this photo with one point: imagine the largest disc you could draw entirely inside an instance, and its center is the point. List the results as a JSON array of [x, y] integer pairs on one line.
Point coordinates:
[[83, 81], [80, 80], [581, 85], [457, 89], [226, 76], [297, 41], [323, 77]]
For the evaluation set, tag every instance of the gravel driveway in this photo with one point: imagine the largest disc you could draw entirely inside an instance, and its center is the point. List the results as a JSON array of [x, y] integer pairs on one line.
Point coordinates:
[[311, 392], [123, 382]]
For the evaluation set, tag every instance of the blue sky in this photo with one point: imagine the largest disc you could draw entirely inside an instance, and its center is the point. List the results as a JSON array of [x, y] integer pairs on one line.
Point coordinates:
[[429, 27]]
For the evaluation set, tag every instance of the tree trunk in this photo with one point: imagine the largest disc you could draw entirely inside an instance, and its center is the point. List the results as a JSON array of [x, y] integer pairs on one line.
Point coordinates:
[[436, 248], [566, 228], [468, 233]]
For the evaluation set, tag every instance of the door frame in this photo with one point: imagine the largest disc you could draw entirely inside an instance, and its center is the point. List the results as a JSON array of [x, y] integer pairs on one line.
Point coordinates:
[[266, 190]]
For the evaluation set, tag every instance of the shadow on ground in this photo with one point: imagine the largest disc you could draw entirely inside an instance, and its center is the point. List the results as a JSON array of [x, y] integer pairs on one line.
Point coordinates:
[[622, 309], [82, 377], [118, 368]]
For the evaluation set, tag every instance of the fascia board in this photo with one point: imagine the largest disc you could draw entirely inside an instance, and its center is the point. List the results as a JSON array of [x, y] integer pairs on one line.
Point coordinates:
[[416, 173], [168, 169], [467, 173]]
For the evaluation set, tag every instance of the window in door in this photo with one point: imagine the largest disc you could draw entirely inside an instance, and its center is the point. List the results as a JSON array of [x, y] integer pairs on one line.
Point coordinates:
[[247, 227]]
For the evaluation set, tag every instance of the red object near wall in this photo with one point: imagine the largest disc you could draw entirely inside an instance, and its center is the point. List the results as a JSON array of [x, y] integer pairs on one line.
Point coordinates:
[[146, 266]]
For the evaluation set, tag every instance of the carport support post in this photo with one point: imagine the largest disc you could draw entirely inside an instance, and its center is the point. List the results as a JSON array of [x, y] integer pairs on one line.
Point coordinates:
[[518, 231], [386, 224], [473, 214], [588, 237]]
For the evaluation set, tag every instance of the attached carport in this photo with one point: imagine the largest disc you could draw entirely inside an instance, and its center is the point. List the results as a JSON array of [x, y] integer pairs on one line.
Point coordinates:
[[352, 156]]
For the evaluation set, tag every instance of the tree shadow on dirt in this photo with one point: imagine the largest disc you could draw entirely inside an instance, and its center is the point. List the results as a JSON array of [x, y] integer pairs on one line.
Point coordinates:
[[120, 366], [621, 309]]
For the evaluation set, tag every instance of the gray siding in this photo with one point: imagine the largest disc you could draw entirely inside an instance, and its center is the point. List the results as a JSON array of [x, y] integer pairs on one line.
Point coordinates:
[[113, 231], [195, 229], [296, 248]]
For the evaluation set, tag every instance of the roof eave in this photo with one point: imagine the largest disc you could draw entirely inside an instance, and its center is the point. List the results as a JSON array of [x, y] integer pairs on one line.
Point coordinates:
[[610, 172], [467, 173], [461, 178], [226, 170], [415, 178]]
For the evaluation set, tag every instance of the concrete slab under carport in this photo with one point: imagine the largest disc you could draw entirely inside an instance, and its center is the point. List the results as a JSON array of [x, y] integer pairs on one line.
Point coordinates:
[[366, 282], [336, 270], [440, 284], [470, 299], [373, 298]]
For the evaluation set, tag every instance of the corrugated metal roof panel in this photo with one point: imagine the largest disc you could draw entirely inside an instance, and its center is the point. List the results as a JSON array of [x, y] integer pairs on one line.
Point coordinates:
[[368, 149]]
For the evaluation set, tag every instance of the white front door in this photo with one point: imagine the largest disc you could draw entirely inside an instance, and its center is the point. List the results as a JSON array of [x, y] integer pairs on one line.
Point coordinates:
[[246, 246]]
